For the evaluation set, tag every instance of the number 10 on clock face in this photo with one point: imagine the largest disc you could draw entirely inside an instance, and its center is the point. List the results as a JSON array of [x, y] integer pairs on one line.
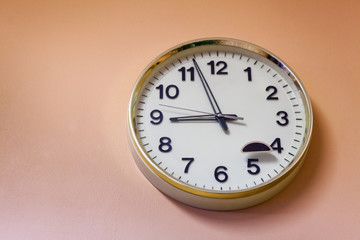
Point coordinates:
[[214, 122]]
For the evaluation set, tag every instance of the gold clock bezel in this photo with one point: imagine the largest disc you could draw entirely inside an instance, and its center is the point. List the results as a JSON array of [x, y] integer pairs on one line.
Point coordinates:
[[268, 189]]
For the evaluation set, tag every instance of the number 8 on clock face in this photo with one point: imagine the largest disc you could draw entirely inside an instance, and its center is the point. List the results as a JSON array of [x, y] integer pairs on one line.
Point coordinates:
[[219, 124]]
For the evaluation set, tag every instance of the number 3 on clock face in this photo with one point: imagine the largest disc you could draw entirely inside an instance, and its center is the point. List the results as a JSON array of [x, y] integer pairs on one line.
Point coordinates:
[[219, 124]]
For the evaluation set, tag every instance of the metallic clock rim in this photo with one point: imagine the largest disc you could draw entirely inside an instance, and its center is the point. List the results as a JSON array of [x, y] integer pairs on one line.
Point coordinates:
[[150, 165]]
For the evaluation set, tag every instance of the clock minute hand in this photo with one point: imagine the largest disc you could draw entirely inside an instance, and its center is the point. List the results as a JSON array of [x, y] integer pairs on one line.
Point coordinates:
[[211, 97]]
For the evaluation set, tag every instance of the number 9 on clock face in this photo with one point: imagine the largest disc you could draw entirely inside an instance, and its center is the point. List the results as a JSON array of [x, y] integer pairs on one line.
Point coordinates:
[[219, 124]]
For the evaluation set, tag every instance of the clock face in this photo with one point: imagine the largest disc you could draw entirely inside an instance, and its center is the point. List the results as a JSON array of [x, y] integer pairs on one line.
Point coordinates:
[[216, 117]]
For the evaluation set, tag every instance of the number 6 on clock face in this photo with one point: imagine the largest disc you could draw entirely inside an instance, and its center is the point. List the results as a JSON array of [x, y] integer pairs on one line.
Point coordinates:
[[219, 124]]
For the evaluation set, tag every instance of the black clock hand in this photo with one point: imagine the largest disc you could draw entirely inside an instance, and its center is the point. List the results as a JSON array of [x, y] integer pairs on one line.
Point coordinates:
[[211, 97], [207, 117]]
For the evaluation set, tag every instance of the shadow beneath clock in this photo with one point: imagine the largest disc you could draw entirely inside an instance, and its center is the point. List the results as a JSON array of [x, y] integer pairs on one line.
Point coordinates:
[[295, 199]]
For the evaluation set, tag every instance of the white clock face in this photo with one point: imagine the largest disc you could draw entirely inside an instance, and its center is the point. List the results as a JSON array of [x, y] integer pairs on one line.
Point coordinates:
[[220, 118]]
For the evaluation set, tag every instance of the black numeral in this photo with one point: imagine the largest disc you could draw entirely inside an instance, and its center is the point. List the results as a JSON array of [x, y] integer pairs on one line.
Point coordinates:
[[283, 117], [251, 164], [165, 144], [221, 176], [188, 164], [157, 117], [273, 91], [183, 73], [171, 91], [248, 70], [276, 145], [221, 64]]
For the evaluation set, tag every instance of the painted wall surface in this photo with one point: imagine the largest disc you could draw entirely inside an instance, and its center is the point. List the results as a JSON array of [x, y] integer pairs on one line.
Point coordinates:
[[67, 69]]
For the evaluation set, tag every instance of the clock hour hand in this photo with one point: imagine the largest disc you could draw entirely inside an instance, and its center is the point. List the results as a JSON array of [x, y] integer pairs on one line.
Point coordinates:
[[207, 117], [211, 97]]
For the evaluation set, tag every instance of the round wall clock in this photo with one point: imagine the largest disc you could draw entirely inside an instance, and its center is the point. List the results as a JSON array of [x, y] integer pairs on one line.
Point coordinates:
[[219, 124]]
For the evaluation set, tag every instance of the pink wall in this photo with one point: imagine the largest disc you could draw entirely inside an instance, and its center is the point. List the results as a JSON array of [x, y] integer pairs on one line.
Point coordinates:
[[67, 69]]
